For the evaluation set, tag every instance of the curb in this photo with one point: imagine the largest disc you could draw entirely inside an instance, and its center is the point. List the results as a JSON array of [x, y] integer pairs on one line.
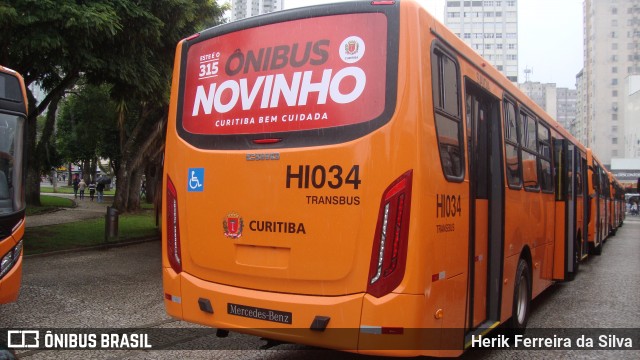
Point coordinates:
[[97, 247]]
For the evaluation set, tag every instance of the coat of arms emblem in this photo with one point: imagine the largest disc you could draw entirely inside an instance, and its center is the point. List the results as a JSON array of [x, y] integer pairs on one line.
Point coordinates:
[[232, 225]]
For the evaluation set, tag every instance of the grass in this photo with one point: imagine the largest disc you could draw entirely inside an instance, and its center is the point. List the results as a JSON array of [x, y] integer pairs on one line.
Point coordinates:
[[83, 233], [68, 190], [49, 204], [87, 233]]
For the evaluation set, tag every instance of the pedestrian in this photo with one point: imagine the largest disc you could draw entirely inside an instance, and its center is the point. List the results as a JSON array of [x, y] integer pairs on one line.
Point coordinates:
[[81, 186], [143, 190], [76, 183], [92, 190], [100, 190]]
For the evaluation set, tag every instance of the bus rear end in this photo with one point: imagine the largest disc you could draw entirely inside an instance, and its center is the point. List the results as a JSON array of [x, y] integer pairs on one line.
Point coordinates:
[[13, 112], [289, 178]]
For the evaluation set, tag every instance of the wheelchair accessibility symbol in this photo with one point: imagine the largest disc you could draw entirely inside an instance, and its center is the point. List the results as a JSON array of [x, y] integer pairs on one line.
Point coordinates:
[[196, 180]]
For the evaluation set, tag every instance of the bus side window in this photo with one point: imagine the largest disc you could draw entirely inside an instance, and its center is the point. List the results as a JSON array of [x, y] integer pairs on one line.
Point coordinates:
[[559, 168], [448, 120], [579, 177], [511, 137], [544, 150], [529, 152]]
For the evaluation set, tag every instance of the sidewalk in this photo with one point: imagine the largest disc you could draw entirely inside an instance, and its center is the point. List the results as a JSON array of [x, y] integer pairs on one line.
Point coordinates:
[[84, 209]]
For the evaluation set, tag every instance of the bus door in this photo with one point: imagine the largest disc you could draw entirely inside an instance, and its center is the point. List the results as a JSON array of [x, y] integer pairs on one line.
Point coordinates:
[[573, 246], [582, 192], [485, 193], [598, 211], [573, 257]]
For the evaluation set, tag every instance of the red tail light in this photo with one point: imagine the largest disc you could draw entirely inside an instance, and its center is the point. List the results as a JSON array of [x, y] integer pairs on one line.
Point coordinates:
[[173, 228], [389, 254]]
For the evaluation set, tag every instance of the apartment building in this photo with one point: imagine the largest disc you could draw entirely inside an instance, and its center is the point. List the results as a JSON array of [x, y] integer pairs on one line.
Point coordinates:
[[241, 9], [490, 27]]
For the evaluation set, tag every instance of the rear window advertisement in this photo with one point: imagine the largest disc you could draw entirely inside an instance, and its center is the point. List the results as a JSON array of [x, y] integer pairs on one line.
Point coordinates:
[[292, 76]]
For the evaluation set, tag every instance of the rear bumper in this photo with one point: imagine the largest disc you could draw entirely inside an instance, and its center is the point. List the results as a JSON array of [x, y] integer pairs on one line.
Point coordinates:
[[282, 317], [396, 324]]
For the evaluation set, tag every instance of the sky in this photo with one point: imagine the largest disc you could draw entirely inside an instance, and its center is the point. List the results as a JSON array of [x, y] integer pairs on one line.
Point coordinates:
[[550, 37]]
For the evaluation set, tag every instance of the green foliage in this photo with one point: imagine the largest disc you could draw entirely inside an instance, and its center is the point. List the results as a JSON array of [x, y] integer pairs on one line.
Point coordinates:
[[69, 190], [87, 233], [49, 204], [46, 39], [86, 124], [128, 44]]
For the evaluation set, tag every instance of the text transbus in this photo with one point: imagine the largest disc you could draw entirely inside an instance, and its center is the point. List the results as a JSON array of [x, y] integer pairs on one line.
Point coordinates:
[[13, 113], [354, 176]]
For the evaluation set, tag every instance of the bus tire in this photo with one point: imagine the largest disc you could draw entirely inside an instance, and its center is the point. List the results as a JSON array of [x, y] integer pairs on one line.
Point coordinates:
[[521, 298], [577, 257], [597, 250]]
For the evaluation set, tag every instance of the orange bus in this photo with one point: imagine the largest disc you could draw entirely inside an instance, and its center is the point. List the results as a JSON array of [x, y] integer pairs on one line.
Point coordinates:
[[571, 171], [13, 114], [621, 208], [353, 176], [616, 207], [598, 229]]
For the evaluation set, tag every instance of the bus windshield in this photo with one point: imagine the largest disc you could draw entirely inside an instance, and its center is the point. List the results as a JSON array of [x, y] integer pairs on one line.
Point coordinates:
[[11, 150]]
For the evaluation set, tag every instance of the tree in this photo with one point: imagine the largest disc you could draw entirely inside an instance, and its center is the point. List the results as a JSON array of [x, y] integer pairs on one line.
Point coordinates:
[[127, 43], [50, 42], [144, 105], [86, 127]]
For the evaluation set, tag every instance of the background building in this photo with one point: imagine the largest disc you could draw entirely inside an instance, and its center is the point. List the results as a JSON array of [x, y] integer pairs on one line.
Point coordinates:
[[545, 95], [567, 108], [241, 9], [560, 103], [632, 117], [490, 27], [579, 127], [612, 54]]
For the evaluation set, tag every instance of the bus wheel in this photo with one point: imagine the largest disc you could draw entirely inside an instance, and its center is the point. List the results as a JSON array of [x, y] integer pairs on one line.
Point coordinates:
[[597, 250], [521, 299], [577, 257]]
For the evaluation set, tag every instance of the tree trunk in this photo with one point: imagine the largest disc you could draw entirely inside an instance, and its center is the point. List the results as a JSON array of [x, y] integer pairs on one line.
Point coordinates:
[[134, 156], [37, 151], [86, 171], [134, 190]]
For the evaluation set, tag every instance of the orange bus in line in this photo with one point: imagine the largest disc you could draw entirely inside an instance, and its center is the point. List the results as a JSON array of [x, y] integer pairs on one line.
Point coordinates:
[[598, 228], [621, 208], [364, 181], [13, 114], [571, 171], [616, 207]]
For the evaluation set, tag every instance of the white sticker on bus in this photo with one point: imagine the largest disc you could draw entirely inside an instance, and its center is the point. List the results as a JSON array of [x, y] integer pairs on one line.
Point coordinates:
[[274, 87]]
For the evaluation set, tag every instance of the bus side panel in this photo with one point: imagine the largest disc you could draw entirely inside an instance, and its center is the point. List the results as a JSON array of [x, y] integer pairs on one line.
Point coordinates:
[[580, 206], [539, 259], [481, 261], [552, 218], [603, 217], [560, 245], [10, 283], [431, 324], [171, 288], [547, 264], [508, 284], [591, 237]]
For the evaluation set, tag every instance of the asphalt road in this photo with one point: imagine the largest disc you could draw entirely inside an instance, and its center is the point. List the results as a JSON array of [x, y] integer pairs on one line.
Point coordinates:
[[122, 287]]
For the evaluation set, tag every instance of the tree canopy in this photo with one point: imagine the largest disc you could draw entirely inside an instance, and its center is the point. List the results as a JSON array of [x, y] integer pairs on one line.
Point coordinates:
[[127, 44]]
